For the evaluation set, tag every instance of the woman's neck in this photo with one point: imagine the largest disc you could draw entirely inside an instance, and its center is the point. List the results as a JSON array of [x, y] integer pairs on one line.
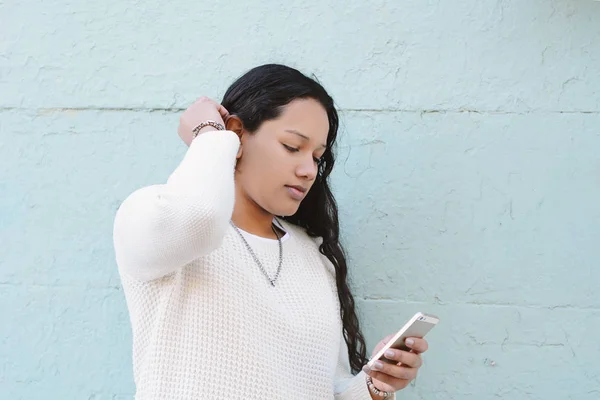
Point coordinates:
[[250, 217]]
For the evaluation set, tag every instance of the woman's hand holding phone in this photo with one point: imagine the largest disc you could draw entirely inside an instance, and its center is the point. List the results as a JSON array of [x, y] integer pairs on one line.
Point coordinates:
[[391, 377]]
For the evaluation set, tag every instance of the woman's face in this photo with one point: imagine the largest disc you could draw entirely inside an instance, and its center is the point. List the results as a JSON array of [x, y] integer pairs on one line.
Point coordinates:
[[278, 163]]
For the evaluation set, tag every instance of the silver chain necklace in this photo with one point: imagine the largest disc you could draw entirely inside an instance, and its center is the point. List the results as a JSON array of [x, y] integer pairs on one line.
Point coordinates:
[[260, 266]]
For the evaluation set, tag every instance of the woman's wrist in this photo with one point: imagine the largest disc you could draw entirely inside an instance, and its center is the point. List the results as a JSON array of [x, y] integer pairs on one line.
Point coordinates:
[[204, 126], [376, 393]]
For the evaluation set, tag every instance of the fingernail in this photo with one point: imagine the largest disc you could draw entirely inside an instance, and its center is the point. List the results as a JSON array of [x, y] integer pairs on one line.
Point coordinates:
[[410, 342], [389, 353], [366, 369], [377, 366]]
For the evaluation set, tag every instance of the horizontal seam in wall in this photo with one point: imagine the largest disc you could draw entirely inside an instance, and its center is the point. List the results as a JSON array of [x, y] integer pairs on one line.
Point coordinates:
[[168, 110], [49, 286], [483, 304]]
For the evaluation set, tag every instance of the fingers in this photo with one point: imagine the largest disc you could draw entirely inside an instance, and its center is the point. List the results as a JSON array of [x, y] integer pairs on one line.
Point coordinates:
[[403, 366], [417, 345], [389, 372], [204, 99], [202, 106], [412, 360], [223, 111]]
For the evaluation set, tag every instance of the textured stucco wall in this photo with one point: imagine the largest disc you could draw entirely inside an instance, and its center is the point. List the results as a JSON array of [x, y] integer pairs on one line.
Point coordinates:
[[468, 175]]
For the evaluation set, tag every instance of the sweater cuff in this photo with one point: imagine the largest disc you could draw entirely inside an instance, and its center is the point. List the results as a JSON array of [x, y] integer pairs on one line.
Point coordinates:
[[357, 389]]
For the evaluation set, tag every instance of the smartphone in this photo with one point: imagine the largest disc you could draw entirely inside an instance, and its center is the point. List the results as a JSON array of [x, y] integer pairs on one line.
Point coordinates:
[[418, 326]]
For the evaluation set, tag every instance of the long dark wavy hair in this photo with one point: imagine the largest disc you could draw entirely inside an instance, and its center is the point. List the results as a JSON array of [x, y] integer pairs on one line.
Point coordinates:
[[259, 96]]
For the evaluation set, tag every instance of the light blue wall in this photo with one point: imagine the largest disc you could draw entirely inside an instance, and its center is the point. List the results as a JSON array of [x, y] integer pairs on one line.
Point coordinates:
[[468, 175]]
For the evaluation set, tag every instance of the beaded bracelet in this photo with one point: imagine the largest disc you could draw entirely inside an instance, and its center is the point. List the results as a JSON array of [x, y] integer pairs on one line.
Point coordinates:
[[376, 391], [214, 124]]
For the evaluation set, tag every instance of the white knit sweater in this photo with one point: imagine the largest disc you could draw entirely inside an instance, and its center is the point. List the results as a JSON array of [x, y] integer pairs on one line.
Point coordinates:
[[206, 322]]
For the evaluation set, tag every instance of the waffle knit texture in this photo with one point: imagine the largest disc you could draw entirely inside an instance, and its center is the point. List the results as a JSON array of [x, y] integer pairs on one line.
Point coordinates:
[[206, 322]]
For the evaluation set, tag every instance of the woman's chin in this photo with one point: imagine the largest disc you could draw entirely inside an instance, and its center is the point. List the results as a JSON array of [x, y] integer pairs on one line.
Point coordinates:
[[286, 210]]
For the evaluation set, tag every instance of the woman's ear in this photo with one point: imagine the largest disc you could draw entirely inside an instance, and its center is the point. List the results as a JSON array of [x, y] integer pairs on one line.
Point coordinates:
[[234, 124]]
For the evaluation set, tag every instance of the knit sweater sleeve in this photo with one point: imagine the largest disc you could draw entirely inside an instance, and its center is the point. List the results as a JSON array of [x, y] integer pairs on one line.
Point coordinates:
[[160, 228], [348, 386]]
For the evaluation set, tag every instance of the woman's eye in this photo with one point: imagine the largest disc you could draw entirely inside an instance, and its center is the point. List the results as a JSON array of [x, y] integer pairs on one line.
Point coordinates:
[[295, 150]]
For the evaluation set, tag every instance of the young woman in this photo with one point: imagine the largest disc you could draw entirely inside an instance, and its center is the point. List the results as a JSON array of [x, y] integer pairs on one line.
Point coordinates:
[[234, 275]]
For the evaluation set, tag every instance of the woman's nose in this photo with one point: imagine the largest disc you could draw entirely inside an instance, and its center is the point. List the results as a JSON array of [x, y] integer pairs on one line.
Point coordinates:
[[307, 169]]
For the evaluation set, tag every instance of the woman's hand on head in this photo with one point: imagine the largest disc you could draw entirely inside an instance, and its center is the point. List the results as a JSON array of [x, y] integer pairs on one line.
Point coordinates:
[[201, 110]]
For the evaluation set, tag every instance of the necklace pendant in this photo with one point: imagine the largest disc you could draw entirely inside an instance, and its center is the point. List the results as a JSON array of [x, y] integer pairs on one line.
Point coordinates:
[[256, 260]]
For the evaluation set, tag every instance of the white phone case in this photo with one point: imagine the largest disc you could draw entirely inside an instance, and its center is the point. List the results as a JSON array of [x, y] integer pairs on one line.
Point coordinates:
[[418, 326]]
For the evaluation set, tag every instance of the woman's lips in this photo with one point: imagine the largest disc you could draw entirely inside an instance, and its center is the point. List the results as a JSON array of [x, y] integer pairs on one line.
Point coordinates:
[[296, 192]]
